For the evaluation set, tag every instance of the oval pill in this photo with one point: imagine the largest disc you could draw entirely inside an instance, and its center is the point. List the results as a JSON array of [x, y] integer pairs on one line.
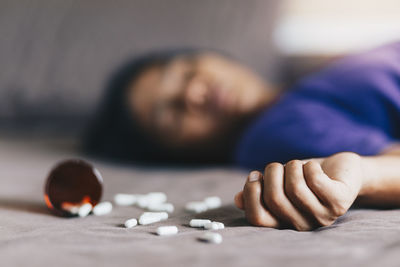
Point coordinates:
[[156, 197], [102, 208], [152, 217], [167, 207], [211, 226], [213, 202], [85, 209], [130, 223], [198, 222], [211, 237], [196, 207], [167, 230], [125, 199]]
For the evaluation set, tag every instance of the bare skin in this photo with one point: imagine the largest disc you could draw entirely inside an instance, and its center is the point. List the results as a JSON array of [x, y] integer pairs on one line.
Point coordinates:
[[199, 98], [308, 194]]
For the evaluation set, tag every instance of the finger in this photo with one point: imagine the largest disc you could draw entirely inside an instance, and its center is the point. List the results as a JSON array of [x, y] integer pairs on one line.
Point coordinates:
[[319, 183], [276, 200], [300, 194], [255, 211], [239, 200]]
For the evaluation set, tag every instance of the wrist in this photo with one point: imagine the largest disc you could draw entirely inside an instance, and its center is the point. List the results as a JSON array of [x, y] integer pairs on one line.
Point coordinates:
[[368, 175]]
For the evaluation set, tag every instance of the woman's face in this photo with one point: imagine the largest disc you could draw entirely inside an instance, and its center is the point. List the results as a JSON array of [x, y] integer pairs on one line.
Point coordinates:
[[196, 99]]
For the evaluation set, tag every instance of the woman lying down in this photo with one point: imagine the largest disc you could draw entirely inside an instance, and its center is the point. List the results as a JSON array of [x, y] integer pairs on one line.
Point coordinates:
[[315, 150]]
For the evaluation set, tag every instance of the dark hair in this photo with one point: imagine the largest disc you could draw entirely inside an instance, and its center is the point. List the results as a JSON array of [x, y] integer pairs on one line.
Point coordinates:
[[114, 133]]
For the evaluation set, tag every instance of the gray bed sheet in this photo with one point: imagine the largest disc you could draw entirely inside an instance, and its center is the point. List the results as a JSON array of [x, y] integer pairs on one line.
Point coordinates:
[[31, 236]]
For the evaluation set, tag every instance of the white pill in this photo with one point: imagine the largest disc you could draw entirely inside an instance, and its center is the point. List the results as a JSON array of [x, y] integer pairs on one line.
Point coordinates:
[[198, 222], [214, 226], [168, 207], [142, 202], [212, 237], [196, 207], [211, 226], [102, 208], [85, 209], [152, 217], [125, 199], [156, 197], [167, 230], [220, 225], [212, 202], [162, 215], [130, 223], [71, 208]]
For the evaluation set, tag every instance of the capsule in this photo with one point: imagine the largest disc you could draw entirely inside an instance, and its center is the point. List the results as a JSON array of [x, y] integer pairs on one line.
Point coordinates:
[[211, 237], [214, 226], [212, 202], [196, 207], [85, 209], [131, 223], [167, 207], [102, 208], [167, 230], [125, 199], [152, 217], [198, 223]]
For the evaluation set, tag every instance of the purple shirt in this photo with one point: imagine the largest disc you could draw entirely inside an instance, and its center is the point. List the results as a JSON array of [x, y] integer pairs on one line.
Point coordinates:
[[352, 105]]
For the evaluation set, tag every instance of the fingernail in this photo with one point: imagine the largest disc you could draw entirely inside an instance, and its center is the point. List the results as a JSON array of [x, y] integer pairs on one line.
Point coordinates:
[[254, 176]]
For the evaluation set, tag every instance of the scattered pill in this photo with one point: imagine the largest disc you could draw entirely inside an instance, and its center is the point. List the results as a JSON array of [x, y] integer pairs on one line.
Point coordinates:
[[162, 215], [85, 209], [198, 222], [125, 199], [168, 207], [220, 225], [167, 230], [214, 226], [152, 217], [130, 223], [212, 202], [211, 237], [156, 197], [142, 202], [102, 208], [211, 226], [71, 208], [196, 207]]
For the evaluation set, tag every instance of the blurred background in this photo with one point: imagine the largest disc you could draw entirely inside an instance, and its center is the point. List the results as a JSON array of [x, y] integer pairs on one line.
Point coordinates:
[[56, 55]]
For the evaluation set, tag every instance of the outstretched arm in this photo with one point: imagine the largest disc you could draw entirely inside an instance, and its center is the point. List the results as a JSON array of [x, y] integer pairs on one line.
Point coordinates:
[[312, 193]]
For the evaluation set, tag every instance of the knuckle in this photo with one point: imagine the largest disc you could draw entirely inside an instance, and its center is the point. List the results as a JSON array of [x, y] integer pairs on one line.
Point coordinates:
[[294, 163], [272, 166], [273, 201], [294, 191], [338, 209]]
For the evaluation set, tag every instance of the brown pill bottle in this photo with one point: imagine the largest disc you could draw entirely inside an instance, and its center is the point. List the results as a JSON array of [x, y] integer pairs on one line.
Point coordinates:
[[71, 184]]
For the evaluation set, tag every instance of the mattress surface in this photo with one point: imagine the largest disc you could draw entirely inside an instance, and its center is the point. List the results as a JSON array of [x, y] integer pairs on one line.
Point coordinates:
[[31, 236]]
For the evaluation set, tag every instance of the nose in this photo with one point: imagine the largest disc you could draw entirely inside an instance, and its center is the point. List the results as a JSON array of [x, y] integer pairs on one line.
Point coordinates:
[[196, 94]]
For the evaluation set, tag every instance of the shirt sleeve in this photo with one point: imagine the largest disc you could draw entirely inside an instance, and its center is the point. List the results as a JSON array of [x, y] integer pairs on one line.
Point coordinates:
[[302, 128]]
